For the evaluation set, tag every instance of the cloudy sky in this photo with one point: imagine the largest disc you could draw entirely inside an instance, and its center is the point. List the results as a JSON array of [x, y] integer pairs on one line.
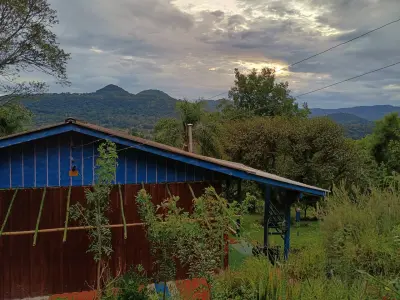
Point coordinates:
[[189, 48]]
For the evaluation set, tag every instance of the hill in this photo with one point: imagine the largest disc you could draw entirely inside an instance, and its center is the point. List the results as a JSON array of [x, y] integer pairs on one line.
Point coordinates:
[[113, 107], [371, 113], [110, 106], [354, 126]]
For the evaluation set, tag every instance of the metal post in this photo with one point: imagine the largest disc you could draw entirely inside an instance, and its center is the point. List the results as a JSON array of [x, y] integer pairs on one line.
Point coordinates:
[[287, 233], [267, 202], [190, 135], [239, 200]]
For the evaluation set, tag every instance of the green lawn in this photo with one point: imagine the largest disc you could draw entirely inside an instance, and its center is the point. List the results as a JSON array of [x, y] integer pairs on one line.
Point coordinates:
[[307, 232]]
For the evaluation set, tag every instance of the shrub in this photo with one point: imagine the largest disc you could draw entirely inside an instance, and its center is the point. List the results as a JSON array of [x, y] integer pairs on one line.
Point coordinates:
[[130, 286], [255, 279], [360, 230]]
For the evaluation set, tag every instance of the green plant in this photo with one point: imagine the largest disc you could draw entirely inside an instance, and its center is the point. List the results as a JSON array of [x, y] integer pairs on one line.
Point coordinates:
[[360, 230], [197, 241], [163, 226], [132, 285], [94, 215], [255, 279]]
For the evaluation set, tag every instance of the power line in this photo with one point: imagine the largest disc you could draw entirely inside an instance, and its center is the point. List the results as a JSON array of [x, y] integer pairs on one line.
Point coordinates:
[[348, 79], [329, 49], [341, 44], [217, 95]]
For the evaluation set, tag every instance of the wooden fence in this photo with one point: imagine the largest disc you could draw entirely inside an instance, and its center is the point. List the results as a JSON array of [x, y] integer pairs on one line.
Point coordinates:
[[54, 266]]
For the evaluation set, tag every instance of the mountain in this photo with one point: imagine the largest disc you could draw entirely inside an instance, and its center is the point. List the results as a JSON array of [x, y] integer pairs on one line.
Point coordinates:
[[113, 107], [112, 89], [110, 106], [371, 113], [354, 126]]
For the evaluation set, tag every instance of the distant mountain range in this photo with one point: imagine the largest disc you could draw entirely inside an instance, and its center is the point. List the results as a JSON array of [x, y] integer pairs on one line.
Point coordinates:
[[370, 113], [113, 107]]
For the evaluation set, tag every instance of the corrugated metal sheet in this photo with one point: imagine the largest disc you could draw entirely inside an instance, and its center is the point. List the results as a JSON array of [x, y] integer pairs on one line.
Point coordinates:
[[54, 267], [290, 184], [47, 161]]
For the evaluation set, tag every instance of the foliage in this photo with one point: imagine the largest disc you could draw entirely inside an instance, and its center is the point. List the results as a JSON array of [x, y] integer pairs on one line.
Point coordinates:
[[360, 230], [259, 94], [97, 206], [258, 279], [384, 143], [13, 118], [205, 129], [204, 250], [312, 151], [175, 236], [26, 44], [130, 286], [255, 279], [164, 224], [169, 131]]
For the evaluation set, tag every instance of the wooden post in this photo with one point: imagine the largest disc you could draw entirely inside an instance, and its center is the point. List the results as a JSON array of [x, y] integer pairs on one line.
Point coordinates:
[[267, 202], [168, 190], [38, 217], [239, 200], [287, 233], [8, 212], [191, 191], [67, 215], [122, 212]]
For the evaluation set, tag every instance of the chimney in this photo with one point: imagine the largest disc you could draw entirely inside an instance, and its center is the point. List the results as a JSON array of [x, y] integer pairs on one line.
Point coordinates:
[[190, 126]]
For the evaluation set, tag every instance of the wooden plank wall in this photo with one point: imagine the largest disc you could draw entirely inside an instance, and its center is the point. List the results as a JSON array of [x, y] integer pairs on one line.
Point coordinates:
[[53, 267]]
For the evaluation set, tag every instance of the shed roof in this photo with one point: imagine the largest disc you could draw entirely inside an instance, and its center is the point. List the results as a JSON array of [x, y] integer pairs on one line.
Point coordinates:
[[223, 166]]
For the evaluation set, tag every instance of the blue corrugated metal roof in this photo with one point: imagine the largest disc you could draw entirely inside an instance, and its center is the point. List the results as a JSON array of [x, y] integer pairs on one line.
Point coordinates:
[[216, 165]]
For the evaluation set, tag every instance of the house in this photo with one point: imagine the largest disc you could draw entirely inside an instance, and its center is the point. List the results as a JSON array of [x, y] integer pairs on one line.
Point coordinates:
[[44, 171]]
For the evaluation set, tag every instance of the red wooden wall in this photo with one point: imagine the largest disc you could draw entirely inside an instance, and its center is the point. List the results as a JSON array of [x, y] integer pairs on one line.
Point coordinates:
[[53, 267]]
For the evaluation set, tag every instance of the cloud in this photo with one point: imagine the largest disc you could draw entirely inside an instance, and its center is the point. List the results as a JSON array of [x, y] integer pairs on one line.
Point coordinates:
[[189, 48]]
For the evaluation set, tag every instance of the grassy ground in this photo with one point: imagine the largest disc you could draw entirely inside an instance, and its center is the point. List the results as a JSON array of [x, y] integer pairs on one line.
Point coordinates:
[[307, 232]]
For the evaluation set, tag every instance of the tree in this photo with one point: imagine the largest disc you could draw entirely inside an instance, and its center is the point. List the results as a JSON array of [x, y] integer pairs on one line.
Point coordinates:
[[259, 94], [28, 44], [94, 214], [312, 151], [13, 118], [384, 139], [174, 132]]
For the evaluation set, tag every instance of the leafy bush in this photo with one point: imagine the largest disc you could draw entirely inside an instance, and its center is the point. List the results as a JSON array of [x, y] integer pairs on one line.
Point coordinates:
[[361, 232], [255, 279], [130, 286]]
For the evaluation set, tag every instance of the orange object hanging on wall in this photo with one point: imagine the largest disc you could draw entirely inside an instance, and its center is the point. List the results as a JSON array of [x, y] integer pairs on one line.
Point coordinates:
[[73, 173]]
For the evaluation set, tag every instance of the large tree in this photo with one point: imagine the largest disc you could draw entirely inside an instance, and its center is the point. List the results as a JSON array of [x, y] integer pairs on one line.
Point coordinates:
[[385, 136], [28, 44], [260, 94], [312, 151], [174, 132]]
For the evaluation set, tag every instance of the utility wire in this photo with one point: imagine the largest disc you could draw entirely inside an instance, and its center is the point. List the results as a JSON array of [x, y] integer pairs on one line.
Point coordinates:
[[348, 79], [341, 44], [217, 95]]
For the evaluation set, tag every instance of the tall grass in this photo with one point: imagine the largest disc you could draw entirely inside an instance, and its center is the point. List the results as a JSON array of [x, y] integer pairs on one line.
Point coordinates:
[[360, 232], [354, 255]]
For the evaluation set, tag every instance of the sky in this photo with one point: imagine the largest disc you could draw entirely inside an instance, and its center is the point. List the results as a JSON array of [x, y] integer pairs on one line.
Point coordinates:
[[189, 48]]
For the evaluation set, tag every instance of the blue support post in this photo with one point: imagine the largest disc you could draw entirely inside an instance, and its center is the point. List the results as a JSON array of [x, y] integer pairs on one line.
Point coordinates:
[[267, 202], [287, 233]]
